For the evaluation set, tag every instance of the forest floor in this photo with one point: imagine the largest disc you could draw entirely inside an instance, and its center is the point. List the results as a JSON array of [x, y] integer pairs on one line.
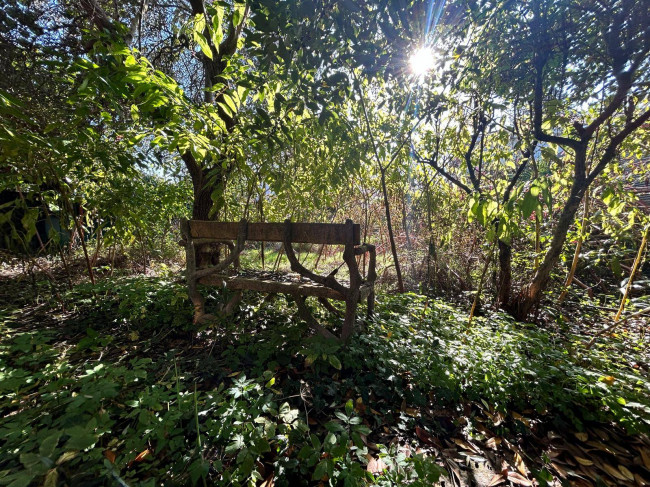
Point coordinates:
[[112, 385]]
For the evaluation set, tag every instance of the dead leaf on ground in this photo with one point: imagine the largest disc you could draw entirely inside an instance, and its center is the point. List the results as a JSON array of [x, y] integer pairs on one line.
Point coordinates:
[[582, 436], [626, 473], [110, 455], [613, 472], [465, 445], [493, 442], [497, 480], [560, 471], [645, 456], [375, 465], [583, 461], [413, 412], [519, 479], [520, 418], [640, 480], [425, 437], [521, 465]]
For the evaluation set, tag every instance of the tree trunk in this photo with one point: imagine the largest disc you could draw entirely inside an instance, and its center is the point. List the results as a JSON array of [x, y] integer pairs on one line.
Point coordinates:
[[530, 296], [393, 247], [576, 255], [505, 274]]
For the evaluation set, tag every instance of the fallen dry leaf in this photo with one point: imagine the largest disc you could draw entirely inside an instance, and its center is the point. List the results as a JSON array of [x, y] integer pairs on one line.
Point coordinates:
[[493, 443], [613, 472], [640, 480], [645, 456], [376, 465], [465, 445], [519, 479], [584, 461], [626, 473], [521, 466], [110, 455], [520, 418], [582, 436], [497, 479], [425, 437], [560, 471], [142, 455]]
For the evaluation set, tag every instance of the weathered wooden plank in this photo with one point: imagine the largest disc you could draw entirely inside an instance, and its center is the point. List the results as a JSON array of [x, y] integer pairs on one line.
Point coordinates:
[[317, 233], [271, 286]]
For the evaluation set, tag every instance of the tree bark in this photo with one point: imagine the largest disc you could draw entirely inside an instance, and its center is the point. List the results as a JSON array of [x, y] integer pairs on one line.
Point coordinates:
[[391, 237], [530, 296], [505, 274]]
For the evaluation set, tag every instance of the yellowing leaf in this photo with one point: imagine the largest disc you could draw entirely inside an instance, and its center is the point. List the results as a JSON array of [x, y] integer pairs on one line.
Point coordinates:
[[110, 455], [584, 461], [521, 466], [142, 455], [608, 379], [51, 479], [613, 472], [626, 473]]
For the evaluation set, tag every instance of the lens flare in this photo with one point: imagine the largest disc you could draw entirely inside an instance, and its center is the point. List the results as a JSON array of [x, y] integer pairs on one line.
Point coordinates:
[[422, 61]]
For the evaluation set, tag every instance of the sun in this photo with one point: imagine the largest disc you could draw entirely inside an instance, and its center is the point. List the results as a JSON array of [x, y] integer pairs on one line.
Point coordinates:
[[421, 61]]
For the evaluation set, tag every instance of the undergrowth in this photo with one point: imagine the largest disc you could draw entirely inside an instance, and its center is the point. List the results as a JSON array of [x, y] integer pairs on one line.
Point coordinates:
[[124, 390]]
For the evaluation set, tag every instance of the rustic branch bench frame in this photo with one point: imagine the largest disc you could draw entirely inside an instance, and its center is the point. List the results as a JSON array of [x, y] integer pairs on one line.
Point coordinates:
[[198, 232]]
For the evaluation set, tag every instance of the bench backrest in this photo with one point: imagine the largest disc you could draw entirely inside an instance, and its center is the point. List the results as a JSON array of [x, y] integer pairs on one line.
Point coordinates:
[[317, 233]]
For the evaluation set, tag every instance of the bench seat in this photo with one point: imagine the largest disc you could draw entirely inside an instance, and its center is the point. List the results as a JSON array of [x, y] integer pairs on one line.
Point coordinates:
[[273, 282]]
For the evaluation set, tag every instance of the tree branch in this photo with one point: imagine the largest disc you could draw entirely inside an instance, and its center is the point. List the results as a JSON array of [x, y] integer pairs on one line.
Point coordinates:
[[610, 152]]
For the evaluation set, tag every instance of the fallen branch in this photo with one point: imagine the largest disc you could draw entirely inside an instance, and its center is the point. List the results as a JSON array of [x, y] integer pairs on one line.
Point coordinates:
[[611, 327]]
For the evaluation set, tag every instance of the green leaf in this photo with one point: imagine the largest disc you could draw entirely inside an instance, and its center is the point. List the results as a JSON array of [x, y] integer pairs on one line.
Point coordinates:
[[349, 407], [80, 439], [325, 467], [335, 362], [528, 204], [203, 44], [48, 445]]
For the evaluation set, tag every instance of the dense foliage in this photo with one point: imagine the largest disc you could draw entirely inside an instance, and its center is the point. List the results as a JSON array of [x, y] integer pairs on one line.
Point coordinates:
[[494, 152]]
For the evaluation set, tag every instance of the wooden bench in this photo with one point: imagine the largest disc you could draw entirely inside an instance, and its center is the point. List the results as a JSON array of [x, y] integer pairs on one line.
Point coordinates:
[[197, 233]]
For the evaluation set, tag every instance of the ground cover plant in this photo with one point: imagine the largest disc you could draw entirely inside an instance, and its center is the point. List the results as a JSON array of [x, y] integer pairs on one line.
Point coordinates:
[[102, 394], [493, 156]]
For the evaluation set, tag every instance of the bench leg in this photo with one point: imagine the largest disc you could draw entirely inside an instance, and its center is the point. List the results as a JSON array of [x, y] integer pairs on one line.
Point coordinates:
[[195, 296], [350, 317], [230, 306], [371, 305], [329, 307], [305, 314]]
